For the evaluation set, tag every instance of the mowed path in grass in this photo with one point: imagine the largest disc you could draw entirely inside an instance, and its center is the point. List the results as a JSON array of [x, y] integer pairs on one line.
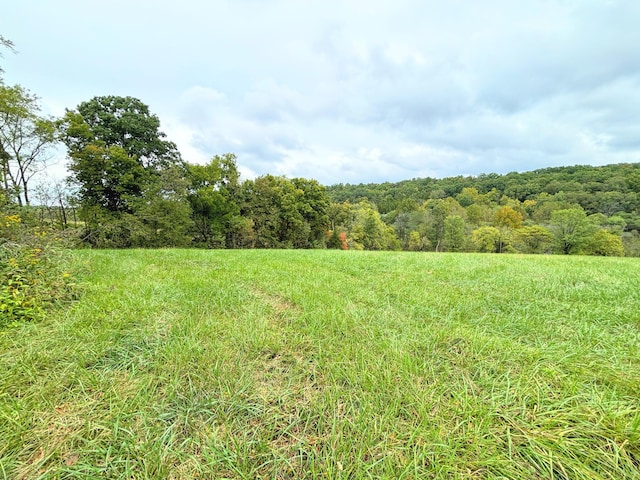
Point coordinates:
[[329, 364]]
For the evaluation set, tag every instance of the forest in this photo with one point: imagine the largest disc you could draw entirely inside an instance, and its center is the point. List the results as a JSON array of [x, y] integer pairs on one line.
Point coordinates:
[[566, 210]]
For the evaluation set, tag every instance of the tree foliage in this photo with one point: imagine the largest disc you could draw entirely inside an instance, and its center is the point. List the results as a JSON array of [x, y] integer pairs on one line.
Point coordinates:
[[519, 205], [604, 243], [486, 239], [533, 239], [214, 201], [115, 149], [25, 140], [454, 233], [132, 185], [571, 230], [286, 213], [507, 217], [125, 122]]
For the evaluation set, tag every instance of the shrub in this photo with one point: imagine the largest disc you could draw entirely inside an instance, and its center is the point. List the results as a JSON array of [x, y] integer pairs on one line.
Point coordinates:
[[606, 244], [35, 271]]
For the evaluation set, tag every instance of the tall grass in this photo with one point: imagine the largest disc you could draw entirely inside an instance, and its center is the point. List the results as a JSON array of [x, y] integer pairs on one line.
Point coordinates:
[[329, 364]]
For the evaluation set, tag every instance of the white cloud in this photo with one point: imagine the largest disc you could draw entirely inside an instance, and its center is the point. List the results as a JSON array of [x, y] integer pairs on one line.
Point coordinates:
[[352, 91]]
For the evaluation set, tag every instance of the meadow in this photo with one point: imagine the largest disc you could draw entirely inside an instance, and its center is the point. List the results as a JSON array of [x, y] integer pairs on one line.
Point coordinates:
[[278, 364]]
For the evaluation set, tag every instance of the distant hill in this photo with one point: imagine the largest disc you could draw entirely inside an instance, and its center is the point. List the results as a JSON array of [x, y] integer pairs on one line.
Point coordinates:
[[606, 189]]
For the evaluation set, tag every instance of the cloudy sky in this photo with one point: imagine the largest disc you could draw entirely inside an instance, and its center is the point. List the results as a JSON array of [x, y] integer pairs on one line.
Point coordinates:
[[351, 90]]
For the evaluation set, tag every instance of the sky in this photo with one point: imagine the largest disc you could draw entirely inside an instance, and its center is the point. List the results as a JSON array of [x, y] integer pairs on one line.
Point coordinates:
[[350, 91]]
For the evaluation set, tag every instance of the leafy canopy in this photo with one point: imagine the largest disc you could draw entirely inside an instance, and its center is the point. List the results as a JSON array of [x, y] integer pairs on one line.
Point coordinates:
[[25, 137], [116, 149], [124, 122]]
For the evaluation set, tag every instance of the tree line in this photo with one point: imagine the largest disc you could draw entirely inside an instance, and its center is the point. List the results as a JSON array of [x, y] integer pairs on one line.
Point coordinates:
[[568, 210], [129, 186]]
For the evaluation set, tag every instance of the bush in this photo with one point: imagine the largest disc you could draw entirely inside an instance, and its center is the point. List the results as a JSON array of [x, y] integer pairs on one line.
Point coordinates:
[[35, 271], [606, 244]]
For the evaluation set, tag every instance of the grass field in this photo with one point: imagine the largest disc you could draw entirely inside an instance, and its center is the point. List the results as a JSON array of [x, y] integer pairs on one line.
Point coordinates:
[[327, 364]]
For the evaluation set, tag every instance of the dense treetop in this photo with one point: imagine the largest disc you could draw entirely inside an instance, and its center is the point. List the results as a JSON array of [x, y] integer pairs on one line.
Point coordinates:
[[124, 122], [595, 188]]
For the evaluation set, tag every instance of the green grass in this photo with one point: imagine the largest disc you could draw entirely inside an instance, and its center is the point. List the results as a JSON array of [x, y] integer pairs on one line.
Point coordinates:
[[327, 364]]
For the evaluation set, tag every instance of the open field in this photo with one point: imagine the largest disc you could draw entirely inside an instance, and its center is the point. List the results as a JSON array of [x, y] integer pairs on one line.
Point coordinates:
[[329, 364]]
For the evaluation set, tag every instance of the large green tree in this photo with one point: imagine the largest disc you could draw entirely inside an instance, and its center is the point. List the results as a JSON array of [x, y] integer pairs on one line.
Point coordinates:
[[454, 233], [486, 239], [163, 214], [124, 122], [369, 232], [604, 243], [533, 239], [286, 213], [314, 206], [261, 201], [214, 201], [115, 148], [571, 230]]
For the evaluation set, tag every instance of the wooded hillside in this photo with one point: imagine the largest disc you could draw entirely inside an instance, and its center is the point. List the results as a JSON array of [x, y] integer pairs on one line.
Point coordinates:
[[525, 212]]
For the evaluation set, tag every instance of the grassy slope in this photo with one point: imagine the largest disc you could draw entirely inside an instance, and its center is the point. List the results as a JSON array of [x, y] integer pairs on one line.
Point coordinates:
[[330, 364]]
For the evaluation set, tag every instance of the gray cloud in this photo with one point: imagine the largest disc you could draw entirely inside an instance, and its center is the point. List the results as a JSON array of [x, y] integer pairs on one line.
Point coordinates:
[[353, 91]]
